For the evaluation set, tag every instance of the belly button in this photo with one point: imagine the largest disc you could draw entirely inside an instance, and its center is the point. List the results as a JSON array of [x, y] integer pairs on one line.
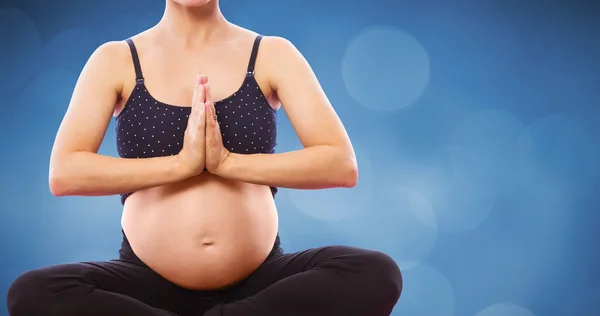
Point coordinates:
[[207, 243]]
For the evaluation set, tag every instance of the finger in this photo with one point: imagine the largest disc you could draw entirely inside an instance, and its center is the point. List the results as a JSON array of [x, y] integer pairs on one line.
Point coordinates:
[[204, 79], [201, 119], [207, 92], [211, 125], [196, 98], [209, 114], [196, 85], [203, 82], [210, 103], [214, 124], [202, 93]]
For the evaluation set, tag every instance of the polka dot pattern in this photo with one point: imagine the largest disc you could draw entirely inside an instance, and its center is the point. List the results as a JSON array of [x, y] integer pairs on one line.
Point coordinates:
[[150, 128]]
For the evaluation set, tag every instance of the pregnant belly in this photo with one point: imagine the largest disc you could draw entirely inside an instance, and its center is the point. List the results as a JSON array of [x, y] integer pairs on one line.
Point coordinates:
[[204, 233]]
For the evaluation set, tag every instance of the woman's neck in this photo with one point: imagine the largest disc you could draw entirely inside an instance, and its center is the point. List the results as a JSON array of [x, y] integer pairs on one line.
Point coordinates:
[[192, 26]]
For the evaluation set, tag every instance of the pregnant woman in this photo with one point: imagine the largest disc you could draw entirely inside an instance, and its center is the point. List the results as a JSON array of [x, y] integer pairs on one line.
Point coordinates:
[[197, 175]]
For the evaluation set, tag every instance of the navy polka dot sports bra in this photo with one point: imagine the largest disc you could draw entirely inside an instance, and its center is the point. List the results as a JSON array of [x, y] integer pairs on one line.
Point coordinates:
[[149, 128]]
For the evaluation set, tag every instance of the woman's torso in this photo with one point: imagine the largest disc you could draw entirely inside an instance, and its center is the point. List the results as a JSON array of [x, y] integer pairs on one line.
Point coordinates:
[[205, 232]]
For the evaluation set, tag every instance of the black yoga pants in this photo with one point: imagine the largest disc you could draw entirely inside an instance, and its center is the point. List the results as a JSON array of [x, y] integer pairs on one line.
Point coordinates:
[[326, 281]]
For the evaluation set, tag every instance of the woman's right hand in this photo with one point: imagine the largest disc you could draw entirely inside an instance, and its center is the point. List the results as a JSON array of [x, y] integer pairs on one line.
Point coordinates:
[[192, 154]]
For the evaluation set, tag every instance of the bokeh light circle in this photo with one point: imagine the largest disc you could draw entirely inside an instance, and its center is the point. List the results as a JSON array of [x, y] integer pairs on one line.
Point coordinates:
[[457, 205], [505, 309], [426, 284], [385, 68], [393, 224]]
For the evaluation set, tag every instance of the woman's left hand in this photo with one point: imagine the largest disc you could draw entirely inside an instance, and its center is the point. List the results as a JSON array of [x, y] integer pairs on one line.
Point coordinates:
[[216, 153]]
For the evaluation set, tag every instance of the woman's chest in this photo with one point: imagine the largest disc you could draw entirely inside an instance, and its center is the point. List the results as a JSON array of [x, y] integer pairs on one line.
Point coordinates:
[[149, 128]]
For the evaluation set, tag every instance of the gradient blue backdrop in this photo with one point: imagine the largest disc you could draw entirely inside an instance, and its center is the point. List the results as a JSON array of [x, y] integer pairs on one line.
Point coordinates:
[[473, 122]]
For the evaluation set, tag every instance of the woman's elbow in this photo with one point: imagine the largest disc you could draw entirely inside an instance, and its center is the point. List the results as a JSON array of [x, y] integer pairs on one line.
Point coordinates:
[[59, 182], [352, 175], [349, 174]]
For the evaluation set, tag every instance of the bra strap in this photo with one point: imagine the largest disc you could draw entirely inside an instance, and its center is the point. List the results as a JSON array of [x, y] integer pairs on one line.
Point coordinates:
[[253, 55], [136, 61]]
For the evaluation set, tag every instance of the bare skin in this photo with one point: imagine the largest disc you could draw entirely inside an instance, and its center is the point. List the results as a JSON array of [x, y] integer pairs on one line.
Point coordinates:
[[199, 229]]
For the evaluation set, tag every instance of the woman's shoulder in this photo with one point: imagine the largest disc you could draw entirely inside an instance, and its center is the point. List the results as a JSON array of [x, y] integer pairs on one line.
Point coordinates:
[[119, 52], [277, 51], [112, 61], [111, 49], [111, 57], [275, 43], [115, 53]]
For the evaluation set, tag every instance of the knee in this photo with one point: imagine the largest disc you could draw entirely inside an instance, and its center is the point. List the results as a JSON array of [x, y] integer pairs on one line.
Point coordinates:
[[26, 294], [384, 275]]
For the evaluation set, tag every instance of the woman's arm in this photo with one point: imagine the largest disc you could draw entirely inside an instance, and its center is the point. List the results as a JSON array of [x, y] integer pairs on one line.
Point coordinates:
[[75, 166], [327, 159]]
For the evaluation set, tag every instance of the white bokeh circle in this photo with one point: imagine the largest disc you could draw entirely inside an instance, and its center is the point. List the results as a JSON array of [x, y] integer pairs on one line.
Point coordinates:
[[426, 291], [338, 203], [393, 224], [457, 205], [505, 309], [385, 68], [19, 54]]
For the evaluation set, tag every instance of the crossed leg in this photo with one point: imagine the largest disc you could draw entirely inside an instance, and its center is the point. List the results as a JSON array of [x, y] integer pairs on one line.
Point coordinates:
[[327, 281], [113, 288]]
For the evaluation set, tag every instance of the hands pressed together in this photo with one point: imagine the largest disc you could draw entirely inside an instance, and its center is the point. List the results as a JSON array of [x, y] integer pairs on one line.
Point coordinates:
[[202, 142]]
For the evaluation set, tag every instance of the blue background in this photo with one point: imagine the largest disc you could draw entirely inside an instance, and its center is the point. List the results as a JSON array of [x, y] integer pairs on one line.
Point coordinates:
[[473, 123]]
